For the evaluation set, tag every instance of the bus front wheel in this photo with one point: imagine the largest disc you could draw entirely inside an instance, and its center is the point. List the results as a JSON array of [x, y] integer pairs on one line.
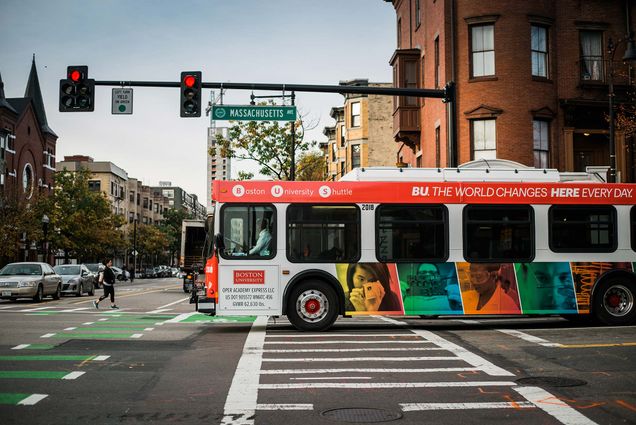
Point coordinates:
[[614, 302], [312, 306]]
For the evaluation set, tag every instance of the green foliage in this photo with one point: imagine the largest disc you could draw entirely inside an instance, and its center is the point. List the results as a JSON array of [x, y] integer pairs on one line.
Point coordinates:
[[266, 142], [17, 217], [311, 167], [244, 175], [171, 228], [151, 242], [82, 222]]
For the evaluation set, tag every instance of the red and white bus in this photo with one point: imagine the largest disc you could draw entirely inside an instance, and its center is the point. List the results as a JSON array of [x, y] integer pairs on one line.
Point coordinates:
[[506, 240]]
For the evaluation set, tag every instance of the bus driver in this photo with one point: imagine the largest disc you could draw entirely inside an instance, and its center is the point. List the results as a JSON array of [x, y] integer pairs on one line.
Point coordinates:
[[264, 238]]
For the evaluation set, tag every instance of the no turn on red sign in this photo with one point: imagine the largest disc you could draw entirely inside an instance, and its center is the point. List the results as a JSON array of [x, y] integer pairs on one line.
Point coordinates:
[[122, 101]]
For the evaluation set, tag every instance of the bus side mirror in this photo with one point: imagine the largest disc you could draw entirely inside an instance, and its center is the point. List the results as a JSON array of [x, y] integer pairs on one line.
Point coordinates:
[[219, 244], [209, 223]]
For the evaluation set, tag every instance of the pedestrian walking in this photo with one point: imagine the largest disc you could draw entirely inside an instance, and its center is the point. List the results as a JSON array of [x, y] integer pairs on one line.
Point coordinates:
[[108, 281]]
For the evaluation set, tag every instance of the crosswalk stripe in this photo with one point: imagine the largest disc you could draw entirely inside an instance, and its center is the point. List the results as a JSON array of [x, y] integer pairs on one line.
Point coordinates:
[[358, 359], [375, 385], [32, 399], [414, 407]]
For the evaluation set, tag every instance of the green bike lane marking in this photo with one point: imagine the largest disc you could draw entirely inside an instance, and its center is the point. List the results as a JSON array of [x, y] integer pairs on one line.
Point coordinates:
[[21, 399], [48, 357], [38, 374], [80, 335], [204, 318]]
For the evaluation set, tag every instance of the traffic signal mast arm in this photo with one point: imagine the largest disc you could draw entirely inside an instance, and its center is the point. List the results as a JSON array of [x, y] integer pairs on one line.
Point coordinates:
[[447, 93]]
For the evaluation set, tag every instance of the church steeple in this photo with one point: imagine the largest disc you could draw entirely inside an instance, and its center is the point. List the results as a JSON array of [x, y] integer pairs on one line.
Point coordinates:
[[33, 91], [3, 99]]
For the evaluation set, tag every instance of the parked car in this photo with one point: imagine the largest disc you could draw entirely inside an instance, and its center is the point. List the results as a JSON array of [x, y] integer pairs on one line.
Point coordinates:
[[121, 275], [29, 280], [95, 268], [76, 279], [150, 273]]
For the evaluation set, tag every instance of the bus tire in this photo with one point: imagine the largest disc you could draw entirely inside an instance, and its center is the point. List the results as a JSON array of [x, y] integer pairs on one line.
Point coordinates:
[[613, 302], [312, 306]]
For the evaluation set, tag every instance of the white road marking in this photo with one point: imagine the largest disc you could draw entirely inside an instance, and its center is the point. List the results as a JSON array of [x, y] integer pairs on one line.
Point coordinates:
[[73, 375], [350, 350], [359, 359], [375, 385], [345, 341], [181, 317], [241, 401], [73, 310], [468, 321], [173, 303], [72, 328], [28, 310], [553, 406], [6, 307], [284, 407], [462, 353], [136, 335], [99, 358], [328, 378], [20, 347], [103, 319], [32, 399], [414, 407], [149, 329], [88, 323], [47, 335], [160, 310], [529, 338], [331, 335], [373, 370]]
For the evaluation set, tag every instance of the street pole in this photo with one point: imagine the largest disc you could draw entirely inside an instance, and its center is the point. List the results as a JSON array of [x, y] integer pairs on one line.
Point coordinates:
[[292, 167], [611, 177], [135, 245]]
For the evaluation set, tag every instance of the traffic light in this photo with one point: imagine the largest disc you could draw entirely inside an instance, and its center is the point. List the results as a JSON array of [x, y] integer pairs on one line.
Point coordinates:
[[191, 94], [77, 92]]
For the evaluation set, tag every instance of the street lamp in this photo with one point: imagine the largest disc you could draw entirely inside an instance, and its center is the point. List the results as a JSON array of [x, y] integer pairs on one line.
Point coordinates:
[[45, 230], [629, 56]]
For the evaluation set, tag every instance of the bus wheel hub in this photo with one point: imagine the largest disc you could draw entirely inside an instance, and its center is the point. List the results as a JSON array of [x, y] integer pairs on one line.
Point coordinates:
[[312, 305], [618, 301]]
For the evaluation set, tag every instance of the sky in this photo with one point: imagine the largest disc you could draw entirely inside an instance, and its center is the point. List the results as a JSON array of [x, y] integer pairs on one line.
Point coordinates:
[[239, 41]]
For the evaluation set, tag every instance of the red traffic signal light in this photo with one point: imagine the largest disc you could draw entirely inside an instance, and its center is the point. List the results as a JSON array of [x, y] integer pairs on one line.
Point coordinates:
[[190, 105], [77, 92]]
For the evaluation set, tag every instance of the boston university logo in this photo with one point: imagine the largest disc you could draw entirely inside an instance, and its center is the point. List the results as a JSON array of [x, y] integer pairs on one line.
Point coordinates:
[[252, 277]]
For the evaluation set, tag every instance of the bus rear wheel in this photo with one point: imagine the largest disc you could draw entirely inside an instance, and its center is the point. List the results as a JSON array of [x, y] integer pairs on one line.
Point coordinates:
[[312, 306], [614, 302]]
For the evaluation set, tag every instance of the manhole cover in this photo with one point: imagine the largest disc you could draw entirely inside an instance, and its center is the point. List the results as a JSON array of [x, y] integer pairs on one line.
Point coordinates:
[[551, 381], [361, 415]]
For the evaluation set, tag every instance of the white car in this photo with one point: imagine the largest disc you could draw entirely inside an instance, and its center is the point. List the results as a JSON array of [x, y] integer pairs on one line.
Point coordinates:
[[29, 280], [120, 274]]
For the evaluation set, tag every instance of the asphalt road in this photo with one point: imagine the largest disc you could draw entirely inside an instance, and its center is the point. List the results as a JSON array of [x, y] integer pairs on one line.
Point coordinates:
[[155, 361]]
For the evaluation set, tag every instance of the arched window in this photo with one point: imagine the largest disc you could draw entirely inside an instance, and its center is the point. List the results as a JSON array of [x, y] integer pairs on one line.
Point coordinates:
[[27, 180]]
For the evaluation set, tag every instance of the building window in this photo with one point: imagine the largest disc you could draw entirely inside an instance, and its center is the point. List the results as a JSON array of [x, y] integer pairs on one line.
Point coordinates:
[[437, 65], [27, 180], [334, 152], [438, 148], [503, 233], [355, 156], [94, 185], [582, 228], [484, 139], [539, 49], [343, 168], [540, 135], [411, 233], [399, 32], [323, 233], [343, 135], [418, 18], [132, 196], [483, 50], [355, 114], [591, 55], [4, 143], [410, 80]]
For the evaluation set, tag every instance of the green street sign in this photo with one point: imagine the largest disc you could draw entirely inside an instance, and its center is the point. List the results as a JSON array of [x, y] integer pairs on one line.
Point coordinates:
[[253, 113]]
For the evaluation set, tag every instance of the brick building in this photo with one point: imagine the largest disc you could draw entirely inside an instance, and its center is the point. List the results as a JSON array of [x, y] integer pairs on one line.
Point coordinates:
[[27, 143], [361, 134], [532, 81]]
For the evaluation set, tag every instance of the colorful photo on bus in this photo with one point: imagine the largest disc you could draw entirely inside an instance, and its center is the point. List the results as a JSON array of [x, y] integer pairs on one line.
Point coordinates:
[[429, 288], [370, 288], [585, 274], [546, 288], [488, 288]]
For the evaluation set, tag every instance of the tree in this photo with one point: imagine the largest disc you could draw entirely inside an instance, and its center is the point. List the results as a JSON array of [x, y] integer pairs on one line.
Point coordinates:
[[82, 223], [266, 142], [311, 167], [171, 228], [151, 243], [18, 217]]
